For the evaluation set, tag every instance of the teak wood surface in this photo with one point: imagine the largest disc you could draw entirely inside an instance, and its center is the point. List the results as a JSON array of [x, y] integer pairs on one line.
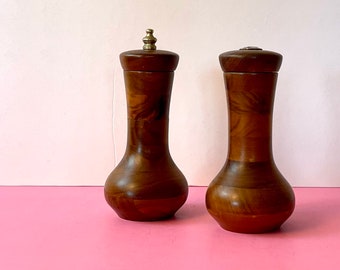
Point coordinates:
[[147, 185], [249, 194]]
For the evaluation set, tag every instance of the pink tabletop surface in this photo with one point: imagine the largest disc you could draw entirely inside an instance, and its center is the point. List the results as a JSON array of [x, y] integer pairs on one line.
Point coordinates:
[[74, 228]]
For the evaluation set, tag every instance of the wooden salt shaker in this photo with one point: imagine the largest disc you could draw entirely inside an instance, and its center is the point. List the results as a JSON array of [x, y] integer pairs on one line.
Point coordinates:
[[249, 194]]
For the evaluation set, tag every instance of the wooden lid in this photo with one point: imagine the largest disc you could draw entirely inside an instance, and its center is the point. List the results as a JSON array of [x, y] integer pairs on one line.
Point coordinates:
[[141, 60], [149, 59], [250, 59]]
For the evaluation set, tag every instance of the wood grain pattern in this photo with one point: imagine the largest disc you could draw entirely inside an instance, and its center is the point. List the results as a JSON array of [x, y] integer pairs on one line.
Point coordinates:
[[147, 185], [249, 194]]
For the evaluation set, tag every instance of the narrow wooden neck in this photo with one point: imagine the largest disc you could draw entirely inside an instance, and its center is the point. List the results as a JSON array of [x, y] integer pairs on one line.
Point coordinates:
[[148, 99], [250, 99], [149, 137]]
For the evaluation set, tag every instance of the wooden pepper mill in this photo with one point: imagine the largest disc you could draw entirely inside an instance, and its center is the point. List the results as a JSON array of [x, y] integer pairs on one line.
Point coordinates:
[[249, 194], [147, 185]]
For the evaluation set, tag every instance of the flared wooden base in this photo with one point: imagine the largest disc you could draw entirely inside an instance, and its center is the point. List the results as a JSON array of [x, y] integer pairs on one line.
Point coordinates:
[[145, 209], [250, 197], [251, 224]]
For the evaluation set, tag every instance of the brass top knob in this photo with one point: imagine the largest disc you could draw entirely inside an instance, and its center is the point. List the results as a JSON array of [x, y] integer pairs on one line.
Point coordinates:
[[251, 48], [149, 40], [149, 59]]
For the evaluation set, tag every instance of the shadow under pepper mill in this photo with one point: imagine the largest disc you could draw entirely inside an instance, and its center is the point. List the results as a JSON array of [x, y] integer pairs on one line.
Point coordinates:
[[249, 194], [147, 185]]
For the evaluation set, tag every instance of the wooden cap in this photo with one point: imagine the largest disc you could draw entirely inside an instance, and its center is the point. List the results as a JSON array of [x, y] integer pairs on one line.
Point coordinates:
[[156, 60], [149, 59], [250, 59]]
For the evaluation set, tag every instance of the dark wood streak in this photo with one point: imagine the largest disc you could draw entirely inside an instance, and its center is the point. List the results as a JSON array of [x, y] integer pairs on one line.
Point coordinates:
[[145, 99], [249, 194]]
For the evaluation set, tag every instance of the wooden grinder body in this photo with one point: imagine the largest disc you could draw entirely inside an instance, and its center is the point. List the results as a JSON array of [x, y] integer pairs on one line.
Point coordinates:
[[147, 185], [249, 194]]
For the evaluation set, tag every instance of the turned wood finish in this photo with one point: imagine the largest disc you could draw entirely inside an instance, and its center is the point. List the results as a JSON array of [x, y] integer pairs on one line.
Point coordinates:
[[147, 185], [249, 194]]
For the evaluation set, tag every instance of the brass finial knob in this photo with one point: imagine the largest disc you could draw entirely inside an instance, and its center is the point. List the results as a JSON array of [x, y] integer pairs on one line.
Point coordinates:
[[251, 48], [149, 40]]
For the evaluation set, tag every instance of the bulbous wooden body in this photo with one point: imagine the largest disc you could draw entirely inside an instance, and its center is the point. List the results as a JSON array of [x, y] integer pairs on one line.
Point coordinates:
[[249, 194], [147, 185]]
